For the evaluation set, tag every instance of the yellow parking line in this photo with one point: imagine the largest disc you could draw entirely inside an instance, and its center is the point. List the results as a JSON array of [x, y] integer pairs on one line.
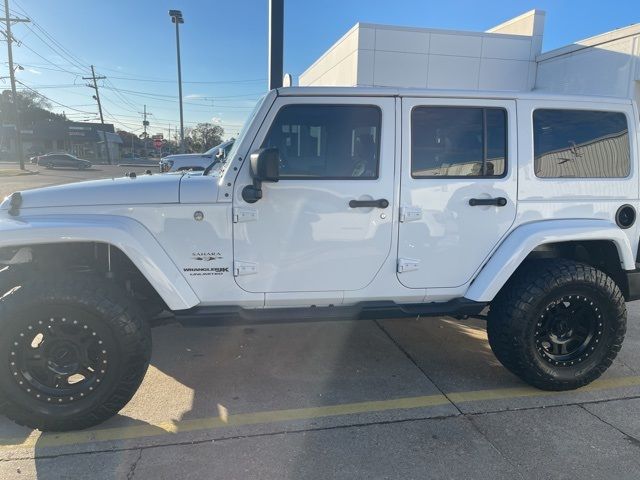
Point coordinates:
[[277, 416], [505, 393]]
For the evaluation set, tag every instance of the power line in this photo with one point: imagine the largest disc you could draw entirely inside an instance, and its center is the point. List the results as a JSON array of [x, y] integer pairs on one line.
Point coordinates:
[[138, 78], [79, 63], [53, 101], [22, 44], [171, 99], [122, 97], [199, 82], [42, 67]]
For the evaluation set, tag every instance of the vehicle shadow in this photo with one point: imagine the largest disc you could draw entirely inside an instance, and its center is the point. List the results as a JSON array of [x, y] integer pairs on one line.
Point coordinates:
[[197, 373]]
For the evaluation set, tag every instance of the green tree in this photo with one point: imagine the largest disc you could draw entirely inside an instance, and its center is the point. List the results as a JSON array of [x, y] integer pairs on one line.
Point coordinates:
[[32, 108], [203, 136]]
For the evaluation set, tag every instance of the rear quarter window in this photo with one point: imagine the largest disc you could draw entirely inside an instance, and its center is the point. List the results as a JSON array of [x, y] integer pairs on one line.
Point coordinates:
[[580, 144]]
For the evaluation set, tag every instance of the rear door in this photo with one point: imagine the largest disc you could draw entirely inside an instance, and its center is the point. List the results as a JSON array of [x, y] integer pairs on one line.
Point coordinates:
[[458, 187]]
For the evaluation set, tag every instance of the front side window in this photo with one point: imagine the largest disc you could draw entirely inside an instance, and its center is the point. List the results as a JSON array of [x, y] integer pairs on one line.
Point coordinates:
[[327, 141], [458, 142], [580, 144]]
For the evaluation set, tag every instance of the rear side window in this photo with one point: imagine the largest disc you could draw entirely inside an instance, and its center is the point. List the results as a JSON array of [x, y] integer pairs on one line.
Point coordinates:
[[458, 142], [580, 144], [327, 141]]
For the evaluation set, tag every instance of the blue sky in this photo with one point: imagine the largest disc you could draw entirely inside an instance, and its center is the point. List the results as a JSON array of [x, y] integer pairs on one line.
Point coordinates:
[[224, 47]]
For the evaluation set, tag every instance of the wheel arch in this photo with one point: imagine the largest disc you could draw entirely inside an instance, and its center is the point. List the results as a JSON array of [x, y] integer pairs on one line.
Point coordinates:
[[607, 247], [126, 235]]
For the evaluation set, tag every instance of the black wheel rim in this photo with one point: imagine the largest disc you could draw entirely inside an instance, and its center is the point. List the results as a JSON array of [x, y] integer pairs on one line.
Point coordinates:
[[569, 330], [59, 359]]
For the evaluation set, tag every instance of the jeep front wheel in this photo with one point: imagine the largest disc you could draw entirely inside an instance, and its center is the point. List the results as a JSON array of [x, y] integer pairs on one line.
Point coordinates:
[[73, 351], [558, 324]]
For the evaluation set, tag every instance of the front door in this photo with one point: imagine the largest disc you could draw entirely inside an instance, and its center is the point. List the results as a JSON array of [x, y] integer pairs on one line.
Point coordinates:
[[458, 187], [326, 226]]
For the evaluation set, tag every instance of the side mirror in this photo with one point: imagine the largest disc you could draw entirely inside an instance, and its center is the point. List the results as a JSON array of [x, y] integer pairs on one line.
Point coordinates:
[[264, 167]]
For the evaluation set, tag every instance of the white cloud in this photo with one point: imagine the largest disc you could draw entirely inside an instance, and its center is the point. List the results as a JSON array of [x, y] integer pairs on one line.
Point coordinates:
[[216, 120], [34, 71], [191, 96]]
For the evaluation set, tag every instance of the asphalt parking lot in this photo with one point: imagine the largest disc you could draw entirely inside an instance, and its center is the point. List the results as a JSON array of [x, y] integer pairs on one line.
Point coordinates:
[[412, 398]]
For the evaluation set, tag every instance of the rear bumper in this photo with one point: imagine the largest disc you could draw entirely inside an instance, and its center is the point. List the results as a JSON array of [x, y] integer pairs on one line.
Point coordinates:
[[633, 285]]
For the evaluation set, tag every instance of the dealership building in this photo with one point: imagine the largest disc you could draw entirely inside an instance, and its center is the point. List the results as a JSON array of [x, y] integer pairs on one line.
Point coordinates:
[[506, 57]]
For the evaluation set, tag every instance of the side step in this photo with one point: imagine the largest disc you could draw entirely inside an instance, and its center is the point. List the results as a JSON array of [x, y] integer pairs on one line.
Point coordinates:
[[199, 316]]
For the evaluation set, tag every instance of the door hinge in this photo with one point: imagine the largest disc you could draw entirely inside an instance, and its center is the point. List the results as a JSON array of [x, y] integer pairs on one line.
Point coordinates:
[[244, 215], [244, 268], [410, 213], [408, 265]]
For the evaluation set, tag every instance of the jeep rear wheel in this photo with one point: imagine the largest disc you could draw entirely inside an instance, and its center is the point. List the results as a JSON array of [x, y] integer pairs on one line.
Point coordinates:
[[72, 353], [558, 324]]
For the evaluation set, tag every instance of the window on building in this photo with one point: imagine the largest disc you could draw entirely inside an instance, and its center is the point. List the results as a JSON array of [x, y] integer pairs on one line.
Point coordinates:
[[327, 141], [580, 144], [458, 142]]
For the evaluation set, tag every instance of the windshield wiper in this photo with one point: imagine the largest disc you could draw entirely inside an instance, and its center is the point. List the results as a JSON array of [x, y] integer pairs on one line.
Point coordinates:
[[210, 167]]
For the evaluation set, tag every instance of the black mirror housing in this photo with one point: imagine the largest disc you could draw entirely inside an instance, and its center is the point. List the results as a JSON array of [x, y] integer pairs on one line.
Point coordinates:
[[265, 165]]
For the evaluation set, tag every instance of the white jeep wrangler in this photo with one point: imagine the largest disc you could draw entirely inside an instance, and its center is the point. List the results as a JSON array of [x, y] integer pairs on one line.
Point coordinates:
[[334, 203]]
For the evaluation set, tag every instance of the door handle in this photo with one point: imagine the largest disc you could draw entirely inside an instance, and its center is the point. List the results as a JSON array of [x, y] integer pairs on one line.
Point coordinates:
[[381, 203], [498, 201]]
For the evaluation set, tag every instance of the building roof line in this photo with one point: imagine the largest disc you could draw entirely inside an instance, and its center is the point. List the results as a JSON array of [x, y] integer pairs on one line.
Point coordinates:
[[596, 40]]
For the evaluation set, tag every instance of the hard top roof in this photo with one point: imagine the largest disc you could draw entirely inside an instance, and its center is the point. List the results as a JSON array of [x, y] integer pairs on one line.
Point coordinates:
[[432, 93]]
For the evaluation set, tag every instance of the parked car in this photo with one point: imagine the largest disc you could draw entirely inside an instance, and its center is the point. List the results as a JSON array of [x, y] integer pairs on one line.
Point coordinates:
[[64, 160], [196, 161], [343, 203]]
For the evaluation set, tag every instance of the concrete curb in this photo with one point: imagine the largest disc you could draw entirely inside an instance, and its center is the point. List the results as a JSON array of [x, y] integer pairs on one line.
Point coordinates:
[[17, 173]]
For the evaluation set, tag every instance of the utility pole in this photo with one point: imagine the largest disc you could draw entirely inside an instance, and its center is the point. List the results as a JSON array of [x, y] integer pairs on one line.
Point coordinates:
[[97, 99], [12, 74], [145, 124]]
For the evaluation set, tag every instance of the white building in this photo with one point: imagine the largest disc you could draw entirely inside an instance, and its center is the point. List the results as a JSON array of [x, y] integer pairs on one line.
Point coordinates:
[[607, 64], [506, 57]]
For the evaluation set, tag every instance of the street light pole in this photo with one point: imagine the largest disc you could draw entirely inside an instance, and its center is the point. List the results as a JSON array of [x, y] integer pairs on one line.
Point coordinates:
[[176, 17]]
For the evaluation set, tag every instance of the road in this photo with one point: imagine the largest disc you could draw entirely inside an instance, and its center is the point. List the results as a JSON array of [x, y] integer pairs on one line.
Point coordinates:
[[411, 398], [41, 177]]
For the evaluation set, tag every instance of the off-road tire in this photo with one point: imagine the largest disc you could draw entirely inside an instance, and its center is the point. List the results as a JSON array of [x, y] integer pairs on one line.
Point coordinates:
[[515, 316], [104, 308]]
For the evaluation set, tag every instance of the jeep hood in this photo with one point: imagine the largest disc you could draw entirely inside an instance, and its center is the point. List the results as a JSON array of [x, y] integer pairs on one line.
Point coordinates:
[[144, 189]]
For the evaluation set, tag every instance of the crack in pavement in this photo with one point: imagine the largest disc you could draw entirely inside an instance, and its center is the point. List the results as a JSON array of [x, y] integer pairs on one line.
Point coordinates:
[[132, 469], [633, 440], [494, 446], [635, 372], [413, 361]]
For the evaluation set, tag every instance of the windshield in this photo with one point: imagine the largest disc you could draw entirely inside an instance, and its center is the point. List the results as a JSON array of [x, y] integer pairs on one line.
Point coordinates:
[[243, 131]]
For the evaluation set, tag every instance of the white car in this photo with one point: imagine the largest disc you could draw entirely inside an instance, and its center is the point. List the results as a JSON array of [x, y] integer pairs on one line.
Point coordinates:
[[342, 203], [195, 161]]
